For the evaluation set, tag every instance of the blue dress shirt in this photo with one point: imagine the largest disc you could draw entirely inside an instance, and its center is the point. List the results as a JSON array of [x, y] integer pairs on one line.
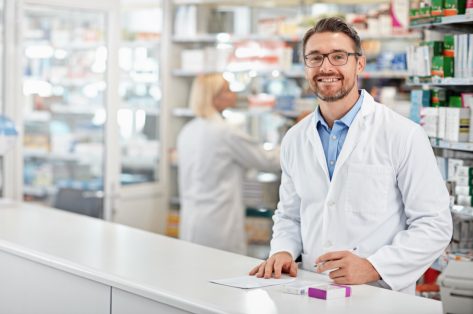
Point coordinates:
[[333, 139]]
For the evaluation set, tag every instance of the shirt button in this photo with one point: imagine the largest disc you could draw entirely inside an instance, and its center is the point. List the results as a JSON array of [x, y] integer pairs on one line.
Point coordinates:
[[332, 162], [334, 137]]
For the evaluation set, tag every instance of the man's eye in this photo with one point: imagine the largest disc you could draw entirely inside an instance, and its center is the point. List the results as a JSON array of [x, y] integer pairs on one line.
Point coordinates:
[[316, 58], [338, 57]]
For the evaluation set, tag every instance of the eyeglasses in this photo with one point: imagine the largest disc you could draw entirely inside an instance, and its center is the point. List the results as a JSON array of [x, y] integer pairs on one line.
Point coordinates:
[[336, 58]]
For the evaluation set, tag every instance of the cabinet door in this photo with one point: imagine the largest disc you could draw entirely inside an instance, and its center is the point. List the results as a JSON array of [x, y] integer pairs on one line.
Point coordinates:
[[64, 54], [124, 303], [27, 287]]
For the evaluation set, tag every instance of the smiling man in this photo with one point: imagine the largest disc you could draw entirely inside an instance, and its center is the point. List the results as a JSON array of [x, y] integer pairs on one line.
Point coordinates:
[[361, 197]]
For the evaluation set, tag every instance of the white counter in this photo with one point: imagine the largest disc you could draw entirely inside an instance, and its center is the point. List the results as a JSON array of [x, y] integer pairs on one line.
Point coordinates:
[[128, 267]]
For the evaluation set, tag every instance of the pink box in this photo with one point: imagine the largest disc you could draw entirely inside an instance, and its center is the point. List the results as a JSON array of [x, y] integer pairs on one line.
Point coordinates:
[[330, 291]]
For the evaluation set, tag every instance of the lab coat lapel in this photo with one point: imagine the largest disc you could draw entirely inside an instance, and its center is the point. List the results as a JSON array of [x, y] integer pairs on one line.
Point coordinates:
[[355, 132], [314, 139]]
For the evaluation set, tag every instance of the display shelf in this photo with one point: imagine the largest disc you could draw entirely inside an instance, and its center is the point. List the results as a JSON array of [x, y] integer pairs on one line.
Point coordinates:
[[438, 143], [271, 3], [446, 82], [299, 73], [72, 157], [141, 43], [459, 23], [74, 109], [39, 191]]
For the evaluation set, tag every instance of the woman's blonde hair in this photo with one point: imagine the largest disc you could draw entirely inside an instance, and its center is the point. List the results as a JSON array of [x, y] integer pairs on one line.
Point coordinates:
[[204, 89]]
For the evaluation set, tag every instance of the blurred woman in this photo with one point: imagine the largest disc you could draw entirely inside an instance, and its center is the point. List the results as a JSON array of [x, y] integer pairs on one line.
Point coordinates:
[[213, 158]]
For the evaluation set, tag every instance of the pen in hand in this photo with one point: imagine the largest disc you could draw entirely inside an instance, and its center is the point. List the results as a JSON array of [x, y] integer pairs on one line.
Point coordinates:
[[317, 265]]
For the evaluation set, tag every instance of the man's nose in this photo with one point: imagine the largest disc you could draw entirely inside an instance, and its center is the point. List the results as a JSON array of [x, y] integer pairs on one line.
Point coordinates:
[[326, 65]]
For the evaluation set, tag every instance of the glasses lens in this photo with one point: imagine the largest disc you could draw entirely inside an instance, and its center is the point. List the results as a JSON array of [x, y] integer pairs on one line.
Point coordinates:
[[314, 60], [338, 58]]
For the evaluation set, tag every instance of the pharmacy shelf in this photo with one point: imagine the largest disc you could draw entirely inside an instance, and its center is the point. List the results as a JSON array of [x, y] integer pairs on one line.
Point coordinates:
[[446, 82], [457, 23], [270, 3], [230, 38], [30, 153], [438, 143], [187, 113], [39, 191], [299, 74], [141, 43]]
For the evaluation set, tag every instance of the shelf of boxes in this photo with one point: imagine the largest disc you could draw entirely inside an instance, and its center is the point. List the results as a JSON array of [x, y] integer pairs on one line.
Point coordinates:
[[439, 143]]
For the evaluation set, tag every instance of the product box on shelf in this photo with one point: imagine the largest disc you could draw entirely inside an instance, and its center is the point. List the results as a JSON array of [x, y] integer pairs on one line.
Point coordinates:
[[454, 7], [457, 125]]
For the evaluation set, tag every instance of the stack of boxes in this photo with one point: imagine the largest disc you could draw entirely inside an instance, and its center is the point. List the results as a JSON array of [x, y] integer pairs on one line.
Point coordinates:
[[463, 184], [443, 114]]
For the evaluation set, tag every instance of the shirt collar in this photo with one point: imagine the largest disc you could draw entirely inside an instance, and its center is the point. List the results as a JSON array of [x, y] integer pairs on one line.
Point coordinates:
[[347, 119]]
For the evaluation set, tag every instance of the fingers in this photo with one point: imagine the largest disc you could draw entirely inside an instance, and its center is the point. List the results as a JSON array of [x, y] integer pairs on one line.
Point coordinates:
[[333, 264], [331, 256], [254, 270], [278, 268], [268, 270], [293, 269], [337, 274]]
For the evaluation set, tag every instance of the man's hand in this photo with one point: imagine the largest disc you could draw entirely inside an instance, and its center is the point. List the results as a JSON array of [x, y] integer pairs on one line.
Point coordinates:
[[278, 263], [347, 267]]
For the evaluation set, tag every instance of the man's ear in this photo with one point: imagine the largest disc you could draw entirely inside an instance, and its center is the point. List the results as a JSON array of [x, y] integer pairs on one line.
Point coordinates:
[[360, 65]]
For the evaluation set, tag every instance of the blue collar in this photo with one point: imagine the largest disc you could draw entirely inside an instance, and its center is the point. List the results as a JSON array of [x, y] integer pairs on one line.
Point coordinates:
[[347, 119]]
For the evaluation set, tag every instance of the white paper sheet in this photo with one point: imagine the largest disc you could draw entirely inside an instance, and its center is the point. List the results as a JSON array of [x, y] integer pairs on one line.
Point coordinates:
[[248, 282]]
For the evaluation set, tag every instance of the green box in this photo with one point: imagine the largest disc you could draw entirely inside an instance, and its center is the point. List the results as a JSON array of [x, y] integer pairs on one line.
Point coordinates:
[[425, 11], [442, 66], [455, 101], [454, 7], [435, 47], [437, 7], [448, 46], [439, 97]]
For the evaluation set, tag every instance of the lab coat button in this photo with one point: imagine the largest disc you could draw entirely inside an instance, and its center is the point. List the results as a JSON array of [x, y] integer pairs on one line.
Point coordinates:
[[331, 204], [328, 244]]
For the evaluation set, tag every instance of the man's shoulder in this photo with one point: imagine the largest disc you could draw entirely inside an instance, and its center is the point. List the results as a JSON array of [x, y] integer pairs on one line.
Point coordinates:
[[295, 132], [392, 120]]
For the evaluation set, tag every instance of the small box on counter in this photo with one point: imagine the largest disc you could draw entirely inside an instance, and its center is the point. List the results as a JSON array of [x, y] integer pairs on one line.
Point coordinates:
[[328, 292]]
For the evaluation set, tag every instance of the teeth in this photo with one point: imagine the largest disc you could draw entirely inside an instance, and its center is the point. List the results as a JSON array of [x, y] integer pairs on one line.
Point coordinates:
[[329, 80]]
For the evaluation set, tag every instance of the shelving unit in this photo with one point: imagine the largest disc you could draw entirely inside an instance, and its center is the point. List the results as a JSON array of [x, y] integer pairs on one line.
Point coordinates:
[[451, 154]]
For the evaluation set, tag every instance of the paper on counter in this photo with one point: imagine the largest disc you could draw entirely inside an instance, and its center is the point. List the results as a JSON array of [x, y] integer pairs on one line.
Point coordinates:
[[248, 282]]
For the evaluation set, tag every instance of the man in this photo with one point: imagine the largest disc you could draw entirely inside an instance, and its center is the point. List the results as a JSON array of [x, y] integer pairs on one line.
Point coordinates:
[[361, 196]]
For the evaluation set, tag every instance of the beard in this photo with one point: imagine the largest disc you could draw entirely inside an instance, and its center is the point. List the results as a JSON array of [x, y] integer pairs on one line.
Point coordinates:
[[339, 94]]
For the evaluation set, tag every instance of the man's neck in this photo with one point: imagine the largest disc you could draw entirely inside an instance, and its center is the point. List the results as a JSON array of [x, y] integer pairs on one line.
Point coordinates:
[[335, 110]]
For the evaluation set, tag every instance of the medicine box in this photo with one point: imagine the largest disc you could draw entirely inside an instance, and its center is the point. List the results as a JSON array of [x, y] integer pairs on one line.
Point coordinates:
[[328, 292]]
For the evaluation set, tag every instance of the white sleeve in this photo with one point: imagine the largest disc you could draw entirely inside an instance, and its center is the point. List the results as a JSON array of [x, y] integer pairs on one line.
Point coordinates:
[[250, 154], [429, 221], [287, 227]]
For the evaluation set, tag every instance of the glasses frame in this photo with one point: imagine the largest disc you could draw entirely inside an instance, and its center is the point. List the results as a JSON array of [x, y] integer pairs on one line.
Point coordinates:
[[326, 55]]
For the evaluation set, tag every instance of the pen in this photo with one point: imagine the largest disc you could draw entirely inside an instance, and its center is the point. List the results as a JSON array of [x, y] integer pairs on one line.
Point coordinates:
[[316, 265]]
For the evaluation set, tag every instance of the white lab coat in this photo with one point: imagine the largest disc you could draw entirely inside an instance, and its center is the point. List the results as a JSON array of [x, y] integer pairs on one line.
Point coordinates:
[[387, 198], [213, 157]]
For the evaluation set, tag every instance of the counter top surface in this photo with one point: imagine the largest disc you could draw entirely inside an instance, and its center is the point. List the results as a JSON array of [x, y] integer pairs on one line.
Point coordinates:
[[168, 270]]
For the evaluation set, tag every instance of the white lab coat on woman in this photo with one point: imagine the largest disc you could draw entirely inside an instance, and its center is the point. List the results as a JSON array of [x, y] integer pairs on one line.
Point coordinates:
[[387, 198], [213, 157]]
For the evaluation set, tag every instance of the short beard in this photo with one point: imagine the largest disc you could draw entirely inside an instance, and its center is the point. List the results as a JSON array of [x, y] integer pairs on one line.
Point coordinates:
[[342, 93]]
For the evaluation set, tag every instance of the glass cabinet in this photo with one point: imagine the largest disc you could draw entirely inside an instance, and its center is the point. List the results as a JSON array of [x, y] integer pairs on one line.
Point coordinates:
[[64, 64]]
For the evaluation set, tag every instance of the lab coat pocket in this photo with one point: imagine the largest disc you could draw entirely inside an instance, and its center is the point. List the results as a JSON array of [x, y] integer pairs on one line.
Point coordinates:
[[367, 189]]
